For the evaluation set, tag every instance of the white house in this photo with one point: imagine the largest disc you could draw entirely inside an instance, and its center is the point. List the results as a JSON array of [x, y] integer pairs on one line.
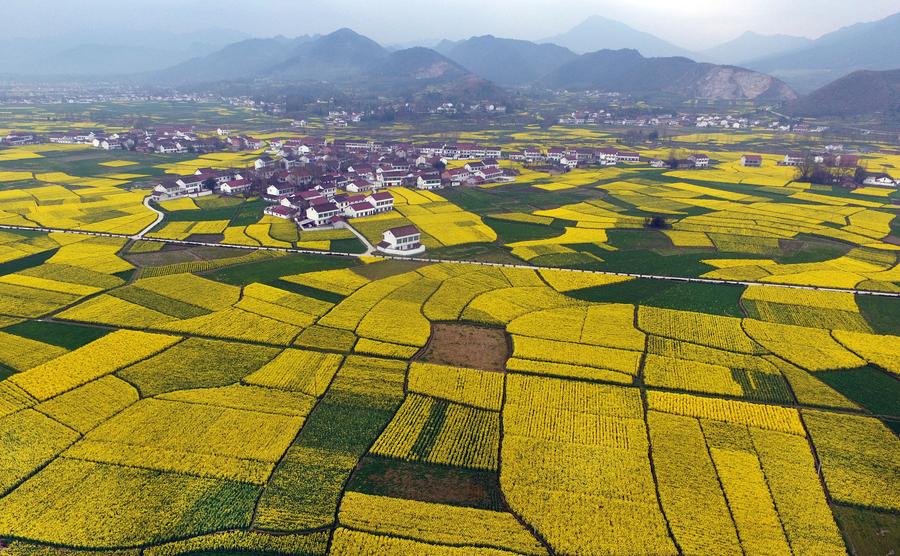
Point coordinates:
[[280, 190], [185, 186], [793, 159], [382, 200], [235, 187], [360, 186], [279, 211], [405, 240], [699, 160], [883, 180], [428, 180], [751, 161], [264, 163], [322, 213], [628, 156], [392, 179], [570, 163]]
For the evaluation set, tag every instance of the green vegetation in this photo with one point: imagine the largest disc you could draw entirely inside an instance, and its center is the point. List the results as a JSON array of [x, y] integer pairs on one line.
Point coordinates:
[[871, 388], [869, 532], [268, 271], [714, 299], [881, 313], [30, 261], [69, 336]]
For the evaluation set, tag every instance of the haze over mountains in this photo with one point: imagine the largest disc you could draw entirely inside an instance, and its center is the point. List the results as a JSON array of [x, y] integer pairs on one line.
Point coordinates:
[[110, 54], [343, 57], [347, 57], [599, 33], [597, 54], [864, 46], [753, 46], [860, 93]]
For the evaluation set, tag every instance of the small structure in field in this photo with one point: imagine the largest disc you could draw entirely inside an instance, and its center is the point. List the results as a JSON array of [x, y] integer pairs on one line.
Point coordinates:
[[751, 161], [405, 241]]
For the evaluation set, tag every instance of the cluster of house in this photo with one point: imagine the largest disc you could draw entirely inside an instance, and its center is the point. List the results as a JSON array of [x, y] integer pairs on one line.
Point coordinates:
[[19, 139], [573, 157], [830, 159], [161, 140], [314, 208], [724, 121], [693, 161], [204, 181]]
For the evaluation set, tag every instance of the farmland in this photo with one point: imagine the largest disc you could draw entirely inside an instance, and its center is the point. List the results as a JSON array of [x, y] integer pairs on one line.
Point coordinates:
[[165, 399]]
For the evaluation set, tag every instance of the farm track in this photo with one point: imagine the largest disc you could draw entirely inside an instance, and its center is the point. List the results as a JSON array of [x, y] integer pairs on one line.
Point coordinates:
[[139, 236]]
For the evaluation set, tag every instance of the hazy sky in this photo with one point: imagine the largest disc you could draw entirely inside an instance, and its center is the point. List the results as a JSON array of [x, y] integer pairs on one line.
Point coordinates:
[[689, 23]]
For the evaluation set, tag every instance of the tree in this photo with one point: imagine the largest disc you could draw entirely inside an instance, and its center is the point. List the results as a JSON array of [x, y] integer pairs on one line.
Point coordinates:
[[656, 222], [209, 184], [807, 168]]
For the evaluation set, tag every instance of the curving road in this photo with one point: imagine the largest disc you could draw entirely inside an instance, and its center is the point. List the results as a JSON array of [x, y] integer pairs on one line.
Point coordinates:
[[433, 261], [159, 218]]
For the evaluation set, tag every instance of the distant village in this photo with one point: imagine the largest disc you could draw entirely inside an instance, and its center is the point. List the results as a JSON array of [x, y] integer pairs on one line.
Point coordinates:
[[316, 182]]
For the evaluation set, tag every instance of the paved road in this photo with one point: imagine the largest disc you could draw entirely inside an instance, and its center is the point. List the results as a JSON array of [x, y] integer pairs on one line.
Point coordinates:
[[159, 218], [476, 263], [370, 249]]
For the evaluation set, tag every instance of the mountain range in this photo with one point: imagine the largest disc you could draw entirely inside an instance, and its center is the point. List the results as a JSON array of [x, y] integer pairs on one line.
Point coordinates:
[[753, 46], [112, 54], [343, 58], [864, 46], [598, 54], [474, 65], [627, 70], [860, 93], [599, 33]]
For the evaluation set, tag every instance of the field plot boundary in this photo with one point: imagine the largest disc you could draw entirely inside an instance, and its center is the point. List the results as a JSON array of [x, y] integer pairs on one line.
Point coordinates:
[[462, 261]]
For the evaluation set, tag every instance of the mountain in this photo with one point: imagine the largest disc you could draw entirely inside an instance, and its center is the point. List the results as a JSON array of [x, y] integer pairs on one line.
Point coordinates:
[[329, 58], [860, 93], [507, 62], [753, 46], [627, 71], [344, 58], [419, 64], [101, 59], [236, 61], [869, 46], [119, 53], [416, 69], [600, 33]]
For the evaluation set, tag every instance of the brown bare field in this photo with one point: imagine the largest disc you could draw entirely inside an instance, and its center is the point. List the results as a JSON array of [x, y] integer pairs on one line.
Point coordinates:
[[465, 345]]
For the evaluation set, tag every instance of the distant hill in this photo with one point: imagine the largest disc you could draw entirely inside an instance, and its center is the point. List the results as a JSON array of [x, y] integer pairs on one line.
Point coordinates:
[[753, 46], [600, 33], [507, 62], [869, 46], [627, 71], [241, 60], [342, 58], [329, 58], [860, 93], [113, 54]]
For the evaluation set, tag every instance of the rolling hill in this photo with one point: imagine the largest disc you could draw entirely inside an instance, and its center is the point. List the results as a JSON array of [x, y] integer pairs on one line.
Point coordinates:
[[600, 33], [330, 58], [469, 68], [507, 62], [753, 46], [864, 46], [860, 93], [236, 61], [342, 58], [628, 72]]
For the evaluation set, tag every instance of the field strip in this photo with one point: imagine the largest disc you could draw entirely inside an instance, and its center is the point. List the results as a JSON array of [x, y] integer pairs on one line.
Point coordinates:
[[435, 261]]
